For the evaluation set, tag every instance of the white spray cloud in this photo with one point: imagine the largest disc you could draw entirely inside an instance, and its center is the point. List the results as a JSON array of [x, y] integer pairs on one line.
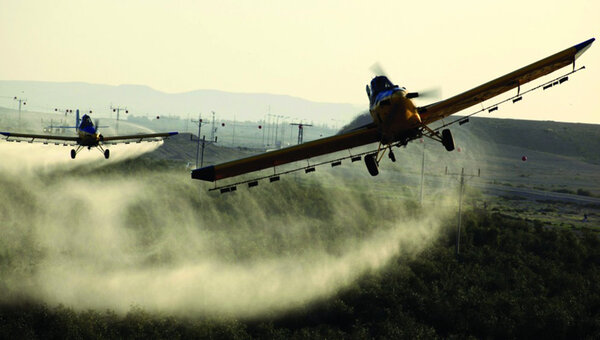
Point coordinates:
[[160, 241], [17, 158]]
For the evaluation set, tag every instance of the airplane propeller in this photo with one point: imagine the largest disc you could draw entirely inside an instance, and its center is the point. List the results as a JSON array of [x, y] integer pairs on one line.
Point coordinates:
[[377, 69], [431, 93], [97, 124]]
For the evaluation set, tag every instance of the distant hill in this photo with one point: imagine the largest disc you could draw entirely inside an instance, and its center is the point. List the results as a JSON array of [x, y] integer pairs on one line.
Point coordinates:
[[567, 139], [143, 100]]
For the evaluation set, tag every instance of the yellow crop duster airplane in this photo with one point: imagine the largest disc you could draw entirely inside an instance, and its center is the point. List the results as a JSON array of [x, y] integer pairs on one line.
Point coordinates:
[[396, 120], [87, 136]]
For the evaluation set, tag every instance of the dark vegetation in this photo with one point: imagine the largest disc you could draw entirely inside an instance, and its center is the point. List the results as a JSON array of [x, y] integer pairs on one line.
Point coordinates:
[[513, 278]]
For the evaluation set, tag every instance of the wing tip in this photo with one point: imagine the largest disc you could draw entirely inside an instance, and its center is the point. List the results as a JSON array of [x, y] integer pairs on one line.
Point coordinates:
[[173, 133], [584, 44], [582, 47], [205, 174], [5, 133]]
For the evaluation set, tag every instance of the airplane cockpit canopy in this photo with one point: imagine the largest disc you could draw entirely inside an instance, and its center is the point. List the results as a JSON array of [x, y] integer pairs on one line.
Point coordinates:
[[86, 121], [379, 84]]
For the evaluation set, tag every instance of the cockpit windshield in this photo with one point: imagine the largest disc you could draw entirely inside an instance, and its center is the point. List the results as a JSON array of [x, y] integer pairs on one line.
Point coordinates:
[[86, 121], [379, 84]]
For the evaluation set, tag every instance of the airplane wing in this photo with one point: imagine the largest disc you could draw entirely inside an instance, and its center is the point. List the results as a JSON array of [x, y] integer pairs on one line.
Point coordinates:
[[112, 139], [294, 153], [368, 133], [33, 137], [444, 108], [75, 138]]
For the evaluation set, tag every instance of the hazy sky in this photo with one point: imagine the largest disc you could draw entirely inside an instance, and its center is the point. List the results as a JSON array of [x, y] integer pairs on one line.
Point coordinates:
[[317, 50]]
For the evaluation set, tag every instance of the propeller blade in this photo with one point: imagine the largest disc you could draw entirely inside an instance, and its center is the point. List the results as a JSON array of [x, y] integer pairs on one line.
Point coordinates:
[[432, 93], [377, 69]]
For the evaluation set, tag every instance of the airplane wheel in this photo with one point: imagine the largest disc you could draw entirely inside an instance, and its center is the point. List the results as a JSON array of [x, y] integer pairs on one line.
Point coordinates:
[[106, 153], [447, 139], [73, 154], [392, 156], [371, 164]]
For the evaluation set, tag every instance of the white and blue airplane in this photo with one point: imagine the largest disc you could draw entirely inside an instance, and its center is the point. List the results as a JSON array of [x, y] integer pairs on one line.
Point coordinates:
[[88, 136]]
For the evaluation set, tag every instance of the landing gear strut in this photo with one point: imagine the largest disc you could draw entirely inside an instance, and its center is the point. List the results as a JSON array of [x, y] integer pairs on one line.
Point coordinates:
[[75, 151], [445, 137], [106, 153], [372, 160]]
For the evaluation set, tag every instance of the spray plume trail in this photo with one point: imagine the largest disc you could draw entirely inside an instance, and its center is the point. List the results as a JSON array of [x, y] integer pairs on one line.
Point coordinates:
[[159, 241]]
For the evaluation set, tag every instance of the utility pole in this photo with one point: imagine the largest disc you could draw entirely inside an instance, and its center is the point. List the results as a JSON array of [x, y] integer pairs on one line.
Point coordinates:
[[276, 129], [118, 110], [271, 123], [213, 130], [300, 131], [282, 137], [263, 128], [200, 123], [461, 192], [268, 129], [233, 134], [270, 132], [21, 101], [202, 159]]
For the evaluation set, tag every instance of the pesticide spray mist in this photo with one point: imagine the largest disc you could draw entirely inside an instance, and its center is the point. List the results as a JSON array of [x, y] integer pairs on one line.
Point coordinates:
[[105, 236]]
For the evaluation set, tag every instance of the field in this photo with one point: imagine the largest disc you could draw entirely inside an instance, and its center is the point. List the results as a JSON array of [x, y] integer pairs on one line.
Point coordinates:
[[132, 247]]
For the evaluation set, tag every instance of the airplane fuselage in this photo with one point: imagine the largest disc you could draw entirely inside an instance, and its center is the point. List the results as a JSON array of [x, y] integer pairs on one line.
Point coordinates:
[[394, 113], [88, 133], [88, 139]]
